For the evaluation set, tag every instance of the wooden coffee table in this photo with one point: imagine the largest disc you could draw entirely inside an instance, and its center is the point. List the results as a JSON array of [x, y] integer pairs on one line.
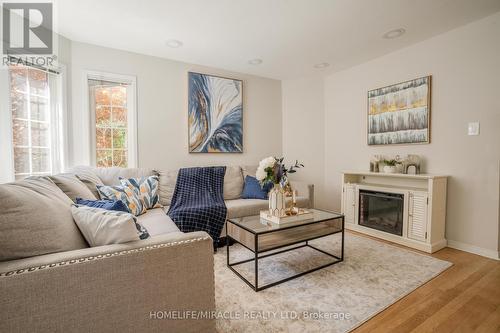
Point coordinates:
[[261, 236]]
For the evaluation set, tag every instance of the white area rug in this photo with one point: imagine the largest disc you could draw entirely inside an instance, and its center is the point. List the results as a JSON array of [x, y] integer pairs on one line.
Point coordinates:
[[338, 298]]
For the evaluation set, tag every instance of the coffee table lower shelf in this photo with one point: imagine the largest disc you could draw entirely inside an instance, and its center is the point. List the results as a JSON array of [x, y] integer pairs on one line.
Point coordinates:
[[255, 286]]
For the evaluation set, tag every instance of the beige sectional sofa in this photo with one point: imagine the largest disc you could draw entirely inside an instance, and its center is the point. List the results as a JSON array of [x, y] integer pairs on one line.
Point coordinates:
[[233, 188], [51, 281]]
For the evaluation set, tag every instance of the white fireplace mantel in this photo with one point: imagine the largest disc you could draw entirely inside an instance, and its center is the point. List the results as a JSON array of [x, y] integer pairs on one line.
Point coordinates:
[[424, 209]]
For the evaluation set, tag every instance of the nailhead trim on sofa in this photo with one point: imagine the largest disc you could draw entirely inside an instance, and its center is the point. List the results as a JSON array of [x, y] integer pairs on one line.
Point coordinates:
[[100, 256]]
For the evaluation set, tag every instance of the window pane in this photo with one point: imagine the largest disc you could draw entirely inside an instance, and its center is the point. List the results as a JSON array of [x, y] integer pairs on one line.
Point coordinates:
[[20, 133], [104, 158], [38, 82], [21, 160], [120, 158], [18, 78], [103, 138], [102, 115], [119, 96], [110, 105], [102, 96], [19, 105], [41, 160], [40, 135], [31, 131], [119, 138], [39, 108], [119, 118]]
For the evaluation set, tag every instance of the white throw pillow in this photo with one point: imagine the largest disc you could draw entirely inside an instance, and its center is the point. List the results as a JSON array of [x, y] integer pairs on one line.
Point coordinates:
[[103, 227]]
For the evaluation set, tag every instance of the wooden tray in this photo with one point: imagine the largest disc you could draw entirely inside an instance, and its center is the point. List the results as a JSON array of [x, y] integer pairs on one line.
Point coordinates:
[[302, 215]]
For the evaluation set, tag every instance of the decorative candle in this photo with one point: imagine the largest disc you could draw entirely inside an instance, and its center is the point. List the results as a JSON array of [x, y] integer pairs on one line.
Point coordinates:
[[294, 199]]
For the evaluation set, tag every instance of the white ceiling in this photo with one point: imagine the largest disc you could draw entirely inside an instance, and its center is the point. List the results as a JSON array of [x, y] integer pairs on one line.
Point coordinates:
[[290, 36]]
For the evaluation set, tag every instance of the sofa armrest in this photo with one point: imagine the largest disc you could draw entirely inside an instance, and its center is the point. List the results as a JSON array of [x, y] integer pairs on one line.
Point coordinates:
[[132, 287], [304, 190]]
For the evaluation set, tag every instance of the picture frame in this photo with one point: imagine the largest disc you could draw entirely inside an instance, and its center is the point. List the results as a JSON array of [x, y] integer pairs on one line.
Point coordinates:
[[400, 114], [215, 114]]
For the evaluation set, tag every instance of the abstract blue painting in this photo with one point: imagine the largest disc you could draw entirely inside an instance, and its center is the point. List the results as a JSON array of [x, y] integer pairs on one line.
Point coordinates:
[[215, 108]]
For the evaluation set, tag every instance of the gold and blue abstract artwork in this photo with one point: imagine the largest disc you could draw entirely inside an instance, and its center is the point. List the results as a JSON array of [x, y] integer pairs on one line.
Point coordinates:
[[215, 107], [400, 113]]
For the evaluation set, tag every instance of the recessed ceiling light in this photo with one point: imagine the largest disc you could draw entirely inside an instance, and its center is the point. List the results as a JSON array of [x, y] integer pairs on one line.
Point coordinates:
[[174, 43], [394, 33], [322, 65], [256, 61]]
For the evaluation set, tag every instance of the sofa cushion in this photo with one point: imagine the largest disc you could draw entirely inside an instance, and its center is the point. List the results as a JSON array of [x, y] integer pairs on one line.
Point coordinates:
[[247, 207], [157, 222], [168, 179], [35, 219], [233, 183], [249, 170], [103, 227], [111, 176], [87, 176], [73, 187]]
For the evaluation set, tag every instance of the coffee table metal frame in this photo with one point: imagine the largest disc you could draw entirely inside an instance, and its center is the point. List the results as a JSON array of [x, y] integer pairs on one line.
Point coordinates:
[[305, 242]]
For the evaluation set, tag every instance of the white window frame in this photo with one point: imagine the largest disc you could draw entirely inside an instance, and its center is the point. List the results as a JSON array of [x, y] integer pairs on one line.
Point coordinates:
[[6, 143], [131, 81], [59, 118]]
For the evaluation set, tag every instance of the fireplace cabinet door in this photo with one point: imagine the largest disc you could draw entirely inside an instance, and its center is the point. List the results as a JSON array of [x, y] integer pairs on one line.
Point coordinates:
[[417, 216], [349, 203]]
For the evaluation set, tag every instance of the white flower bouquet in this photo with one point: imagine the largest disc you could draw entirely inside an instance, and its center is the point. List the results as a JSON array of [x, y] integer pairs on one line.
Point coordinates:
[[272, 170]]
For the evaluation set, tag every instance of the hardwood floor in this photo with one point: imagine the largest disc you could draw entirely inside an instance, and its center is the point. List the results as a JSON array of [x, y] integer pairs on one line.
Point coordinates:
[[464, 298]]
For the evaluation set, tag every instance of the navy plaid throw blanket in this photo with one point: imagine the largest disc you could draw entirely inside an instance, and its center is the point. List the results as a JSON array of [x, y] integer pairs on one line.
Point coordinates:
[[198, 202]]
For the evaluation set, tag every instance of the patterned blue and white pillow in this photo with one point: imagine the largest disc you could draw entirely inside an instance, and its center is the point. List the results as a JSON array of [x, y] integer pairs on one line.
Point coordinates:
[[147, 188], [130, 197]]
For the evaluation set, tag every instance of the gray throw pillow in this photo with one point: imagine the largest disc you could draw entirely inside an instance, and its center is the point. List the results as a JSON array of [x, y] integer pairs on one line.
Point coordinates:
[[72, 186], [90, 179], [168, 179], [249, 170], [35, 219], [104, 227], [233, 183]]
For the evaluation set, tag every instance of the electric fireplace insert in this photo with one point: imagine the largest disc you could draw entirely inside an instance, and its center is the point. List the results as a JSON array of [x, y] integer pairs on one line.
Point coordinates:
[[381, 211]]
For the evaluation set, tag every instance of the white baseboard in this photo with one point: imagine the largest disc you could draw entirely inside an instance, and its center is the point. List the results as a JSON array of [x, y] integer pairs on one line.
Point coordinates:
[[474, 249]]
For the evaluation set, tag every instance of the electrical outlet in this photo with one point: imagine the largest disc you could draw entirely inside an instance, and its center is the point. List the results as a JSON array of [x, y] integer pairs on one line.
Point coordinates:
[[473, 128]]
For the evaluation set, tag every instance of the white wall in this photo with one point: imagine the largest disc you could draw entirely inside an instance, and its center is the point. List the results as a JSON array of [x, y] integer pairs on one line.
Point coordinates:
[[303, 131], [465, 68], [162, 109]]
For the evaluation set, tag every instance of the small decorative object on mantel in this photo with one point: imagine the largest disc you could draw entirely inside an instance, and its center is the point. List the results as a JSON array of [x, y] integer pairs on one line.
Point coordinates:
[[272, 170], [411, 165], [374, 163], [391, 166]]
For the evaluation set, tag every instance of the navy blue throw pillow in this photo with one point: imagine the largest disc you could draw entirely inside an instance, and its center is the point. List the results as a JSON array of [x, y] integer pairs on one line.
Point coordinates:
[[116, 205], [253, 190]]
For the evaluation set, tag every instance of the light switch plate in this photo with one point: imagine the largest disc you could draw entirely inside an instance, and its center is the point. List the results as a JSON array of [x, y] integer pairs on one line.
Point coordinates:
[[473, 128]]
